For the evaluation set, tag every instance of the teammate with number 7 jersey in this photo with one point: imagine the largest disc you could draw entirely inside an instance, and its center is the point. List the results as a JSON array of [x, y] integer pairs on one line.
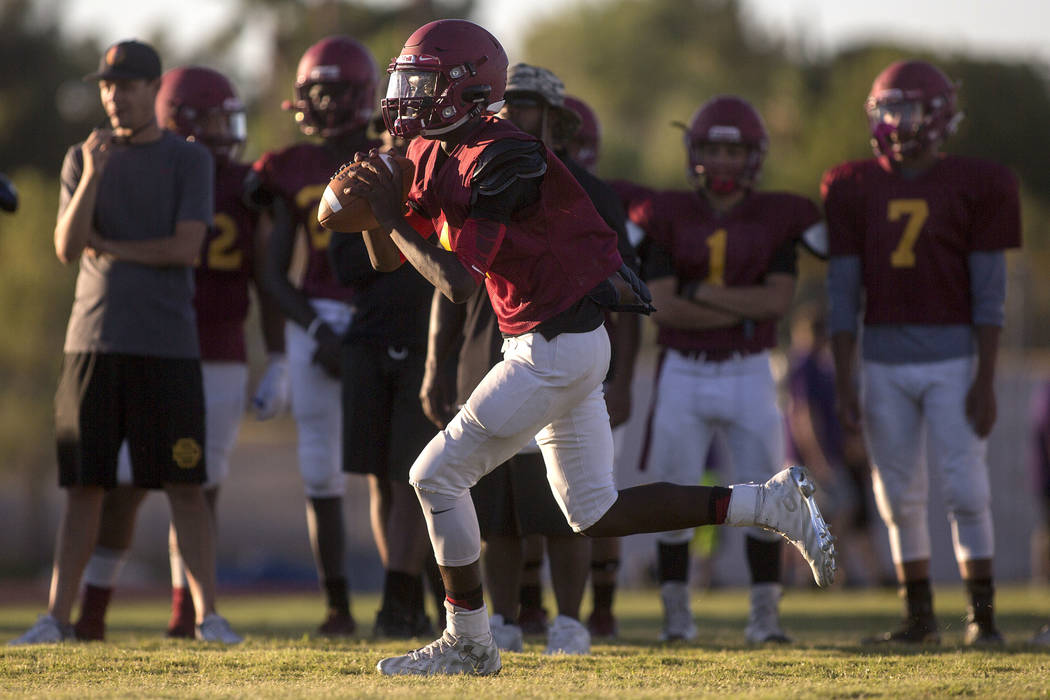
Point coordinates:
[[922, 234]]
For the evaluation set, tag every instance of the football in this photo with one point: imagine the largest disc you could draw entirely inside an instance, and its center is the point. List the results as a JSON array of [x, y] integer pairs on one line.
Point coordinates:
[[341, 209]]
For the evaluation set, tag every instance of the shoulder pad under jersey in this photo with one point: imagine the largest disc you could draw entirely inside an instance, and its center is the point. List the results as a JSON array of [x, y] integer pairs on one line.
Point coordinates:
[[505, 161]]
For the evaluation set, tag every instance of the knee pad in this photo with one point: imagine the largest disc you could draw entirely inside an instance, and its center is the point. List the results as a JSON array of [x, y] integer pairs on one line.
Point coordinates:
[[971, 524], [453, 527], [906, 520]]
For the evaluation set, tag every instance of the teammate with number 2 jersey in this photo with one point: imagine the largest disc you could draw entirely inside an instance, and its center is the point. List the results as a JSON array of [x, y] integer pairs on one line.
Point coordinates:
[[922, 235]]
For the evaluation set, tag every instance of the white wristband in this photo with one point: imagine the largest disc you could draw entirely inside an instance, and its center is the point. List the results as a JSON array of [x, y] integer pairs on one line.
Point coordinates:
[[311, 330]]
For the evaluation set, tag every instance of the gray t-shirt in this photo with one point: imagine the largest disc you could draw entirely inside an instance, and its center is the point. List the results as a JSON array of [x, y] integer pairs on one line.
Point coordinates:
[[130, 308]]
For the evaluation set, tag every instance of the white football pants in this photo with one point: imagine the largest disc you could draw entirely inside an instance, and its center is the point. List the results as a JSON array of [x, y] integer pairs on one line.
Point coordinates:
[[902, 405], [317, 404], [548, 389], [694, 399]]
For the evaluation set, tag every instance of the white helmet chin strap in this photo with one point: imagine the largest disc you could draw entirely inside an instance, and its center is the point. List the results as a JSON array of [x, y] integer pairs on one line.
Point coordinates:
[[493, 108]]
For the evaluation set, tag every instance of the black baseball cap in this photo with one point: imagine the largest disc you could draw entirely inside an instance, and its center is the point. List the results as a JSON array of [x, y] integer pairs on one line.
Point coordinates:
[[127, 60]]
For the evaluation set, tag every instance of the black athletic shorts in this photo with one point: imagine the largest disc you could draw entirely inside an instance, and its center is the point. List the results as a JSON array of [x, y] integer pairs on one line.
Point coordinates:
[[155, 403], [514, 500], [384, 427]]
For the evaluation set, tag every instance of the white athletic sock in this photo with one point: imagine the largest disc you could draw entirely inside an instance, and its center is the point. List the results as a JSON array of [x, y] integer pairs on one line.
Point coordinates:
[[473, 624], [743, 502], [104, 567]]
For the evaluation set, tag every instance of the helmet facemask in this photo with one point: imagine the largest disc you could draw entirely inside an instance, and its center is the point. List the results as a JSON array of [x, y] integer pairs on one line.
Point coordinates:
[[432, 102], [904, 128], [738, 169], [222, 129]]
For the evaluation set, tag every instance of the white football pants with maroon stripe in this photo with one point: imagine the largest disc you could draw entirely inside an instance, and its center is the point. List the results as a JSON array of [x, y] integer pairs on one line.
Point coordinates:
[[904, 406], [548, 389]]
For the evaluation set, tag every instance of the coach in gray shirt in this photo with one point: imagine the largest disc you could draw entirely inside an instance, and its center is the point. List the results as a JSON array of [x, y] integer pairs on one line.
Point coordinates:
[[134, 208]]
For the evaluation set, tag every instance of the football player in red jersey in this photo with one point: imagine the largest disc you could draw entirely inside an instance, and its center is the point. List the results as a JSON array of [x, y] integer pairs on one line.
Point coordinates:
[[334, 100], [721, 262], [200, 105], [922, 234], [505, 211]]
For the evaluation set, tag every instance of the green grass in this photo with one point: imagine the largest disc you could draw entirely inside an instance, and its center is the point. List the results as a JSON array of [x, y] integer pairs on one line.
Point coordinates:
[[280, 657]]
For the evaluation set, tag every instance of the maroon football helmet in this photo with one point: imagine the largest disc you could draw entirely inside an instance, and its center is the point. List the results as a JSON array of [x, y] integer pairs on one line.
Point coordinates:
[[584, 146], [448, 72], [726, 119], [335, 87], [200, 104], [911, 108]]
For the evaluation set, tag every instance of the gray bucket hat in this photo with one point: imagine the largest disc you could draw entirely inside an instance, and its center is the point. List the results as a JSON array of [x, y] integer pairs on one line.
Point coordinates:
[[543, 84]]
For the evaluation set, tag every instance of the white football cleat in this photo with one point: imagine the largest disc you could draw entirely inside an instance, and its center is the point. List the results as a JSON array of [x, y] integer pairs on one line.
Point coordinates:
[[785, 505], [447, 655], [215, 628], [508, 637], [763, 622], [46, 630], [567, 636], [678, 612]]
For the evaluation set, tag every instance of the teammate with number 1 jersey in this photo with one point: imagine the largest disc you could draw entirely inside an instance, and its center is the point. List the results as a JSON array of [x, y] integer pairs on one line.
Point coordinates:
[[922, 235], [721, 263]]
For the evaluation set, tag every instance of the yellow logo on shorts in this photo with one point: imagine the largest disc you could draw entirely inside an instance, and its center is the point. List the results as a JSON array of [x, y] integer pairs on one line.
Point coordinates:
[[186, 453]]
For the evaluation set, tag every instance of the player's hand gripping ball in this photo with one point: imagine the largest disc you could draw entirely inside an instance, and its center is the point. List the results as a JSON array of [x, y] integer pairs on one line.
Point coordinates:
[[343, 206]]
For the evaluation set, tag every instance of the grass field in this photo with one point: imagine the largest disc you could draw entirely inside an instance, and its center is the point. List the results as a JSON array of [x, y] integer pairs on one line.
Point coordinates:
[[280, 658]]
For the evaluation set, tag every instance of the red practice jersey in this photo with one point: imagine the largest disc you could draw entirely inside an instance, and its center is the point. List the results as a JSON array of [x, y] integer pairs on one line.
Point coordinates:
[[299, 174], [736, 249], [552, 253], [225, 268], [914, 235]]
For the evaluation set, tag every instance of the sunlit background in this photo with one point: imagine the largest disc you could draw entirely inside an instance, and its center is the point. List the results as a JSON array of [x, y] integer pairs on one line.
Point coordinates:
[[806, 64]]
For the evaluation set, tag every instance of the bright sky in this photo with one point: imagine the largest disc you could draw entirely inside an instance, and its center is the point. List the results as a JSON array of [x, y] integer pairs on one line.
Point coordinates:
[[1018, 29]]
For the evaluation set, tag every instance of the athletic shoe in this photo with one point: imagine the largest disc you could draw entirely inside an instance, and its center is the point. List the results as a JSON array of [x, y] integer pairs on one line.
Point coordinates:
[[978, 635], [914, 630], [602, 624], [532, 620], [763, 623], [568, 636], [678, 613], [46, 630], [447, 655], [507, 635], [215, 628], [785, 505], [1042, 637], [337, 625]]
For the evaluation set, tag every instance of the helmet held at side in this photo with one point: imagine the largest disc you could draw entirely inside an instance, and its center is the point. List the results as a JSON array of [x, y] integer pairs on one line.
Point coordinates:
[[911, 108], [726, 119], [448, 72], [200, 104], [335, 87]]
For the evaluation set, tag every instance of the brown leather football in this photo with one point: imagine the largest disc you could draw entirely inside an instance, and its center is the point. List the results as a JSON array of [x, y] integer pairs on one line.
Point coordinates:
[[341, 209]]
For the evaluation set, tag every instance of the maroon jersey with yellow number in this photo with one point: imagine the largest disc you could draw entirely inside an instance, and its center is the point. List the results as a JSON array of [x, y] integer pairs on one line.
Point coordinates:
[[550, 255], [733, 249], [299, 175], [224, 270], [914, 235]]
